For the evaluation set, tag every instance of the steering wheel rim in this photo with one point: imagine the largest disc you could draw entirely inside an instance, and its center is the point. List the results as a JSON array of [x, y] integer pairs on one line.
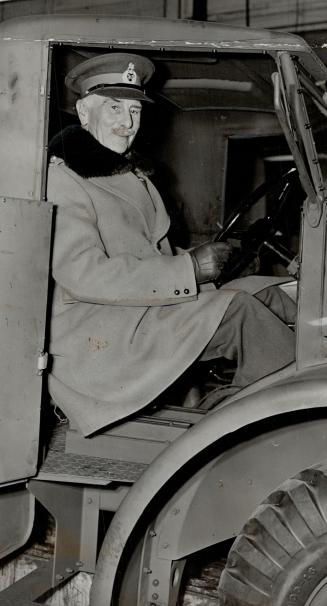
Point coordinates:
[[261, 230]]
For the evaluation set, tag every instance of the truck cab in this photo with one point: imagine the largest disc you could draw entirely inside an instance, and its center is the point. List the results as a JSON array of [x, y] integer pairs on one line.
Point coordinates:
[[237, 135]]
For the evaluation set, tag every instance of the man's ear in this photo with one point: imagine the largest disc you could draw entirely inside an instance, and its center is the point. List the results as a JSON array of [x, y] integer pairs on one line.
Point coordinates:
[[82, 111]]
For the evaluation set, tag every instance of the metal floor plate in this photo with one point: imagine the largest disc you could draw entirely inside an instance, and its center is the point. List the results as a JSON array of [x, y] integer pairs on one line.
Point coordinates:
[[67, 467]]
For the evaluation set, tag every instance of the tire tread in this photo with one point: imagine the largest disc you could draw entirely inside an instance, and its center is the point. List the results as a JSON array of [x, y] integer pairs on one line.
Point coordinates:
[[287, 523]]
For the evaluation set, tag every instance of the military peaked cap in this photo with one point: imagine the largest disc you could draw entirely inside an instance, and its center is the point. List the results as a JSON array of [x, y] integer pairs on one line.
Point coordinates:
[[118, 75]]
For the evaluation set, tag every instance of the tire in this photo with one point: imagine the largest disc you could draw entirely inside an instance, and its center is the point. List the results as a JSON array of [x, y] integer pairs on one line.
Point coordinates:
[[280, 556]]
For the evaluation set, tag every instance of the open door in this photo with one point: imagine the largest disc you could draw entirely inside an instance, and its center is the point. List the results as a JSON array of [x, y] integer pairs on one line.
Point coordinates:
[[25, 231], [24, 270]]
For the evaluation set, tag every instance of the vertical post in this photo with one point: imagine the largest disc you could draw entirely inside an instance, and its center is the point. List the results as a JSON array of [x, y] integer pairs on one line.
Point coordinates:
[[171, 9], [247, 13], [200, 12]]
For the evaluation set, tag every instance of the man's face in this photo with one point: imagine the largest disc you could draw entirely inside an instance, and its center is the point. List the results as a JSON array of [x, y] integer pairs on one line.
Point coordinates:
[[113, 122]]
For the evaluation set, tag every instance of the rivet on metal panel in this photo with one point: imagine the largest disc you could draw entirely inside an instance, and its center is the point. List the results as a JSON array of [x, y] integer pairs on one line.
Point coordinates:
[[69, 570], [4, 200], [176, 511], [59, 577], [155, 596], [155, 582], [90, 501], [152, 533], [79, 564], [165, 545], [147, 570]]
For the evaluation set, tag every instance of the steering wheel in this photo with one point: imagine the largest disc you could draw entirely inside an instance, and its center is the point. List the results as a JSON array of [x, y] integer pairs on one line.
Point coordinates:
[[262, 233]]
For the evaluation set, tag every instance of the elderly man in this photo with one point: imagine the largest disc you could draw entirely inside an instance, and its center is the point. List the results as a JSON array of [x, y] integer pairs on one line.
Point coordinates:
[[128, 315]]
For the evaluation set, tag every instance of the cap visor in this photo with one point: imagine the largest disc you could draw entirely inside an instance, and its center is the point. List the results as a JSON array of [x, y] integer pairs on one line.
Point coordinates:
[[121, 93]]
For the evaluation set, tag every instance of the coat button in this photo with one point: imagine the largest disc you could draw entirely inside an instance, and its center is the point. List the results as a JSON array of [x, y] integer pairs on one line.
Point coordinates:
[[177, 292], [186, 291]]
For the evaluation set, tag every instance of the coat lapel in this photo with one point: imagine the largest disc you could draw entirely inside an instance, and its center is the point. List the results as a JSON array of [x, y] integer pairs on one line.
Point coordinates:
[[113, 172], [142, 195], [162, 218]]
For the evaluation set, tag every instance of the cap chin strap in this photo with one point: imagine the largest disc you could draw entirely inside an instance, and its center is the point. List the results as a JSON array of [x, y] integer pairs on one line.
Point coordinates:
[[98, 87]]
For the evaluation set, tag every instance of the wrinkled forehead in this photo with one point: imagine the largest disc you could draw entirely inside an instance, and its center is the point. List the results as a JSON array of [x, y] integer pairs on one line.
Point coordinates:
[[98, 101]]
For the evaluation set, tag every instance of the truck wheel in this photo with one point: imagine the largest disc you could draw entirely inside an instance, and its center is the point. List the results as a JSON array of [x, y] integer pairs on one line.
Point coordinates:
[[280, 556]]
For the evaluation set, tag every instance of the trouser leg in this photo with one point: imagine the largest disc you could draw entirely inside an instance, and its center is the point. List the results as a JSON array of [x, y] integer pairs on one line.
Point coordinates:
[[279, 303], [254, 337]]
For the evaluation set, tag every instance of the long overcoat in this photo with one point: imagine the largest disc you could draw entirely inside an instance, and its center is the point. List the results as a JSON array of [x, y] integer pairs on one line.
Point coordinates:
[[127, 317]]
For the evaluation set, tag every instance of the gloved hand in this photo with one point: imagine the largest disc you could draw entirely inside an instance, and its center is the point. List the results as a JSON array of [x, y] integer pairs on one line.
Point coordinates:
[[209, 259]]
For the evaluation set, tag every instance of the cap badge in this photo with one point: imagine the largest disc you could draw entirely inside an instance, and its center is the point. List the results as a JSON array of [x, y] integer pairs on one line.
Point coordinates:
[[129, 76]]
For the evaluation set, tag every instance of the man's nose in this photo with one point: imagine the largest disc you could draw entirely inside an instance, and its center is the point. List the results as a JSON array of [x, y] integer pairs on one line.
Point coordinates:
[[127, 119]]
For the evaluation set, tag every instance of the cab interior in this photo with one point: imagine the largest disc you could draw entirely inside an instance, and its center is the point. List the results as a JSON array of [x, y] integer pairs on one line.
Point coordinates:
[[212, 136], [217, 151]]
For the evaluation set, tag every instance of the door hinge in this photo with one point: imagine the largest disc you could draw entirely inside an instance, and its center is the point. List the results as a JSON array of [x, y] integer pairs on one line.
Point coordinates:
[[42, 362]]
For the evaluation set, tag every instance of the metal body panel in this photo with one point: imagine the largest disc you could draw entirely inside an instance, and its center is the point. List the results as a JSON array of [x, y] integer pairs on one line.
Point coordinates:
[[24, 267], [169, 34], [101, 27], [229, 488], [23, 76], [218, 500], [311, 346], [76, 512], [17, 511], [132, 441], [126, 449], [301, 392]]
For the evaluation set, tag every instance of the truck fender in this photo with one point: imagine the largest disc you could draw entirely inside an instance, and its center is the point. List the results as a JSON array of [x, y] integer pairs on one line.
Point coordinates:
[[304, 392]]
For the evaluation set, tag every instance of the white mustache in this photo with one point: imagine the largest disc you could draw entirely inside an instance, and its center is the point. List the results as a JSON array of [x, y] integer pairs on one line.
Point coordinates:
[[123, 132]]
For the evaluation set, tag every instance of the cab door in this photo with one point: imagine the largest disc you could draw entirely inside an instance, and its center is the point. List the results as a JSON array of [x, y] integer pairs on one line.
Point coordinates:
[[302, 111], [25, 227], [25, 233]]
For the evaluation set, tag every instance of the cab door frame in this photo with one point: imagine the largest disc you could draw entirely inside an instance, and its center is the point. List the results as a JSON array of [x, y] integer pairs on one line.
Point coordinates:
[[291, 85]]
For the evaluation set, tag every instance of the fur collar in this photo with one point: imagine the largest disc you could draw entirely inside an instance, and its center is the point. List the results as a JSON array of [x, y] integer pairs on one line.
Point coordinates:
[[88, 158]]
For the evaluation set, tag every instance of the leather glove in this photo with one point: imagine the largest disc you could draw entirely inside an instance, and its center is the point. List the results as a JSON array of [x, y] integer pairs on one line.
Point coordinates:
[[209, 259]]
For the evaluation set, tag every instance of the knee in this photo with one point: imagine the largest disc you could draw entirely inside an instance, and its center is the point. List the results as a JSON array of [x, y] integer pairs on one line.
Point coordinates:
[[244, 301], [244, 298]]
